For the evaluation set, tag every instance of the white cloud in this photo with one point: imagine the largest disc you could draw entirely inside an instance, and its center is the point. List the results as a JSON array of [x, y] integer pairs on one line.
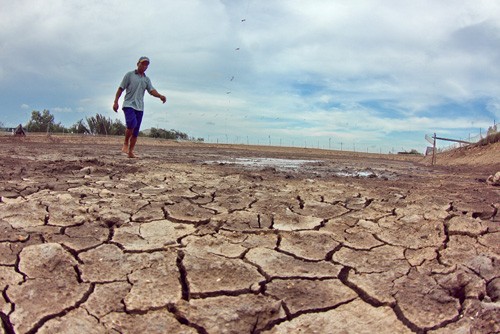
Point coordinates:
[[368, 68], [61, 110]]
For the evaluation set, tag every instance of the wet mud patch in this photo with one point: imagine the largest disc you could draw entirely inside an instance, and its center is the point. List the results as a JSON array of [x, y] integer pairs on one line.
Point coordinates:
[[309, 168]]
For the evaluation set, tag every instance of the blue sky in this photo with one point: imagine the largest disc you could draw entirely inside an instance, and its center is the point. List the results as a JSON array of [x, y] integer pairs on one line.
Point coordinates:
[[370, 75]]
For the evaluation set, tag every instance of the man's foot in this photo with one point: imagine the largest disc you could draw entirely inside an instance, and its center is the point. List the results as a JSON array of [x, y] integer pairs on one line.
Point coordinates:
[[132, 156], [125, 148]]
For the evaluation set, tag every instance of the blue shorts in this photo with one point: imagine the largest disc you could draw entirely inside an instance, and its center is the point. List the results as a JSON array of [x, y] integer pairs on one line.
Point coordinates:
[[133, 119]]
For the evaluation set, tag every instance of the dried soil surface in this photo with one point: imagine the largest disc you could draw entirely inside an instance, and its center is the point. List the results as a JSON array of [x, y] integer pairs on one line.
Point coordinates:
[[200, 238]]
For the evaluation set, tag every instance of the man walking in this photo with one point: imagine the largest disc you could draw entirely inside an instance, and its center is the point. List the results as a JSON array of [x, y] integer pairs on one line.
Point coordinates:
[[135, 83]]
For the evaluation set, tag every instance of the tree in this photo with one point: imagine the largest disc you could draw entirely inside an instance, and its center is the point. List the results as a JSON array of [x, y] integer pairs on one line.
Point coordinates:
[[118, 128], [101, 125], [98, 124], [172, 134], [492, 130], [79, 127], [43, 122]]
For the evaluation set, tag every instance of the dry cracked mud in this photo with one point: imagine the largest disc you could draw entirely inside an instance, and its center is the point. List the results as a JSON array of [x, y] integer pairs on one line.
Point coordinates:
[[188, 239]]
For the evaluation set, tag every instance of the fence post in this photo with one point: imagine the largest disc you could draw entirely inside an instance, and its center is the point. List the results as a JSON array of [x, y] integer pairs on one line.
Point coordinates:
[[434, 150]]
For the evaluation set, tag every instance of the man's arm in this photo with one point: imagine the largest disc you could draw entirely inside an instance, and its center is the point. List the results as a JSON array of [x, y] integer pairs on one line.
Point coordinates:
[[117, 97], [155, 93]]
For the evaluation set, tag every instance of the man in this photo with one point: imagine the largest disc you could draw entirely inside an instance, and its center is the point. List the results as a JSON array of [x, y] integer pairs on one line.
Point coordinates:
[[19, 131], [135, 83]]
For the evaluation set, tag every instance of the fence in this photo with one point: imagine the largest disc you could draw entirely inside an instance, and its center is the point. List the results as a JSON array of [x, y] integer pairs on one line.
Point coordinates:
[[470, 140], [492, 130]]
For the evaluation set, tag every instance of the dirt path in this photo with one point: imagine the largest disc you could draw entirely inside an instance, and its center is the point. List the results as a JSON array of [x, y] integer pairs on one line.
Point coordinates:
[[198, 238]]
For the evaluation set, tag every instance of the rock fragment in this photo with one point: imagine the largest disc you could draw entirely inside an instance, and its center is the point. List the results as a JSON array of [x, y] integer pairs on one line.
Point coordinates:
[[466, 226], [107, 298], [160, 282], [478, 317], [8, 277], [23, 214], [308, 295], [494, 180], [226, 314], [425, 303], [279, 265], [287, 220], [412, 231], [149, 212], [354, 317], [51, 289], [76, 321], [310, 245], [209, 274], [378, 260], [244, 221], [493, 289], [81, 237], [152, 322], [151, 235], [185, 211]]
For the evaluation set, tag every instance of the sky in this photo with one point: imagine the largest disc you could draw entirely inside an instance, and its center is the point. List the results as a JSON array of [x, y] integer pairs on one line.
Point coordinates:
[[363, 75]]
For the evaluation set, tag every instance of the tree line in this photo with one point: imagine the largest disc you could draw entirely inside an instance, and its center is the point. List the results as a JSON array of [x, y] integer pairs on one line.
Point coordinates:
[[95, 125]]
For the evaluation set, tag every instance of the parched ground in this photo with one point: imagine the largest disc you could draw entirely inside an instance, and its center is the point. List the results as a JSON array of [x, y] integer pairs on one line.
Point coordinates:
[[200, 238]]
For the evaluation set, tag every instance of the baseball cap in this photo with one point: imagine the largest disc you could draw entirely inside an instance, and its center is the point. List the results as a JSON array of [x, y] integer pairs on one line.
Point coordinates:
[[143, 59]]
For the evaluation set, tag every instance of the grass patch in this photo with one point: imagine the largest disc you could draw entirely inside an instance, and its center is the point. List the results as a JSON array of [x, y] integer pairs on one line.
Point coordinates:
[[491, 139]]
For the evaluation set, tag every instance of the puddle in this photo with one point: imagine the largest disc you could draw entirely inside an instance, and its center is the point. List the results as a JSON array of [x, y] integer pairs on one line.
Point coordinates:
[[367, 174], [313, 167], [279, 164]]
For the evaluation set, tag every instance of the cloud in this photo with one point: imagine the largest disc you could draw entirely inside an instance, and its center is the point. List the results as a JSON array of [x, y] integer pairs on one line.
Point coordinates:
[[493, 106], [61, 110], [368, 68]]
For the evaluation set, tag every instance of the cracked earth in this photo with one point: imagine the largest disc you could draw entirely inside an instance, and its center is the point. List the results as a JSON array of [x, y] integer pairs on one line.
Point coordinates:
[[189, 240]]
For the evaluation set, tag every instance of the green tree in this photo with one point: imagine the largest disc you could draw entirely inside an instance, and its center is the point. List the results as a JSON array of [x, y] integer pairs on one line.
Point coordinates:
[[180, 135], [492, 130], [43, 122], [118, 128], [160, 133], [98, 124], [101, 125], [172, 134], [79, 127]]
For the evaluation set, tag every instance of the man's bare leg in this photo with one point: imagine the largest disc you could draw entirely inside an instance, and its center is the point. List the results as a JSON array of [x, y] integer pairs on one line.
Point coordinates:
[[128, 135], [133, 140]]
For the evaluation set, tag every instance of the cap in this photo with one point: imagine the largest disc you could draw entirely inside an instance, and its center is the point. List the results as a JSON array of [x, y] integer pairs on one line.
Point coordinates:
[[143, 59]]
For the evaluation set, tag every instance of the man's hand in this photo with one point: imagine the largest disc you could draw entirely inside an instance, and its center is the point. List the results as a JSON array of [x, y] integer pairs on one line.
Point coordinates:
[[119, 92], [155, 93]]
